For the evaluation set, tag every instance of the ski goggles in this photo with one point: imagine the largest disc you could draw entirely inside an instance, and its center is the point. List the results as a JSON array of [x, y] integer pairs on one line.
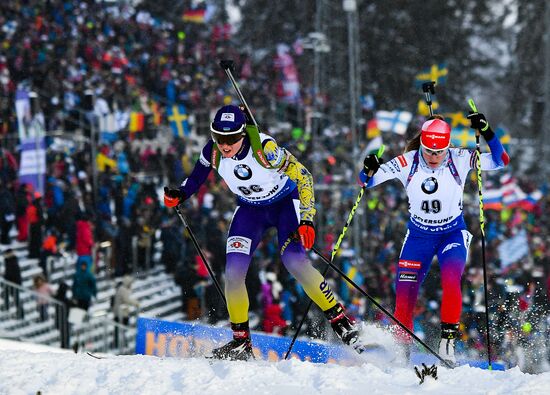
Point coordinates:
[[228, 138], [432, 152]]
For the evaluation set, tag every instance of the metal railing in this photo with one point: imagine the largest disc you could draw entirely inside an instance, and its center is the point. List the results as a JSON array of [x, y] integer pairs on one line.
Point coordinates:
[[22, 320], [28, 315], [100, 333]]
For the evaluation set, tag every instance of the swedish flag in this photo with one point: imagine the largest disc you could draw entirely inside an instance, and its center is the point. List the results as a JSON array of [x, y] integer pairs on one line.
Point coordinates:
[[436, 72], [457, 119], [177, 115], [463, 136], [423, 109]]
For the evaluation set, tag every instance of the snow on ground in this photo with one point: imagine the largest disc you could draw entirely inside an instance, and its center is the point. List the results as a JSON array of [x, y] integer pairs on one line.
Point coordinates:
[[27, 371]]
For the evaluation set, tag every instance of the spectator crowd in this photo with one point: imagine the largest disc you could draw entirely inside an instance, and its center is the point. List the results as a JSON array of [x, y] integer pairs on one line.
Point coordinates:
[[86, 60]]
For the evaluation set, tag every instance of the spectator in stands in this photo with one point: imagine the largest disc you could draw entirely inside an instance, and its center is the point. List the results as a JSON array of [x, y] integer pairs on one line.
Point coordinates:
[[22, 200], [84, 286], [84, 240], [41, 286], [122, 305], [7, 212], [8, 166], [35, 215], [186, 277], [62, 315], [273, 321], [49, 248], [12, 273]]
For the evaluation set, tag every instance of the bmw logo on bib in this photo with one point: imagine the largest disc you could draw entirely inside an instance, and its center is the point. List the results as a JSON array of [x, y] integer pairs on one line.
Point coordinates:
[[242, 172], [429, 185]]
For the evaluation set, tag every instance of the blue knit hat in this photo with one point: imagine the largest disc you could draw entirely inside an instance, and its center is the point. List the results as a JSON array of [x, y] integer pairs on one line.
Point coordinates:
[[228, 120]]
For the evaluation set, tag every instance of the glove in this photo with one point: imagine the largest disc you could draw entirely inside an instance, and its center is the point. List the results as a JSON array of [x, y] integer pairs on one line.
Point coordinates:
[[173, 197], [371, 164], [479, 122], [306, 231]]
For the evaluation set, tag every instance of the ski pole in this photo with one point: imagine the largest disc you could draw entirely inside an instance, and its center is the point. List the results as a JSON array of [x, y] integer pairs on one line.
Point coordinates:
[[482, 227], [199, 250], [335, 249], [390, 315], [228, 66], [429, 88]]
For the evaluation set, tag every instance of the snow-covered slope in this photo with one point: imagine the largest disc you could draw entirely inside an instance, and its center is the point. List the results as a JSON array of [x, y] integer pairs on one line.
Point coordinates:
[[27, 371]]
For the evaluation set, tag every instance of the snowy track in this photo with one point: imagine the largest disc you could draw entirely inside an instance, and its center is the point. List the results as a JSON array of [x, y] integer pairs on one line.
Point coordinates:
[[23, 372]]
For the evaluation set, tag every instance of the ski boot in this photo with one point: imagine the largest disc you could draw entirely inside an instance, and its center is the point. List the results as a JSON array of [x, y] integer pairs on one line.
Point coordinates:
[[449, 333], [238, 349], [344, 327]]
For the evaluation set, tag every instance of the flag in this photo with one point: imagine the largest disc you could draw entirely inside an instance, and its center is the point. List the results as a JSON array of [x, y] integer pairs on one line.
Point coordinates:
[[393, 121], [437, 73], [456, 119], [177, 116], [510, 195], [136, 122], [530, 201], [23, 111], [194, 16], [32, 166], [492, 199], [423, 108], [353, 274], [372, 129], [463, 137], [287, 81], [513, 249]]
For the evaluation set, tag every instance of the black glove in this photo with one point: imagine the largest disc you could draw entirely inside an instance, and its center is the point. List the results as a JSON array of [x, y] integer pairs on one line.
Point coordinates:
[[479, 122], [371, 164], [173, 197]]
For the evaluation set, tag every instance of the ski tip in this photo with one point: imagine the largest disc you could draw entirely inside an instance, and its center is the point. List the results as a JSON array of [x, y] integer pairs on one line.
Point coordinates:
[[94, 356]]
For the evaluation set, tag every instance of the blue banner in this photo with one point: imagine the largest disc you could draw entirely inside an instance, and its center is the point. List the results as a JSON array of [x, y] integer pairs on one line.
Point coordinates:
[[184, 340], [32, 166], [178, 339]]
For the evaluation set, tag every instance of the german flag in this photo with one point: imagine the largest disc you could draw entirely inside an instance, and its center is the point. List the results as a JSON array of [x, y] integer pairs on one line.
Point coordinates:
[[194, 16]]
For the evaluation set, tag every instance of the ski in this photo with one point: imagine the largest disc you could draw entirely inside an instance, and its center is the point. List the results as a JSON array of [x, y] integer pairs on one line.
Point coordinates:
[[95, 356]]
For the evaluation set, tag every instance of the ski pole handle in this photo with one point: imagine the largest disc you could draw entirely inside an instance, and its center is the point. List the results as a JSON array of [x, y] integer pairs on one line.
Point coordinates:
[[379, 154], [474, 109], [472, 105]]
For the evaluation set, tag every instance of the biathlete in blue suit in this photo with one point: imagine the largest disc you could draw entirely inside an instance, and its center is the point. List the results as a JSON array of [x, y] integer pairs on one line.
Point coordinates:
[[273, 189]]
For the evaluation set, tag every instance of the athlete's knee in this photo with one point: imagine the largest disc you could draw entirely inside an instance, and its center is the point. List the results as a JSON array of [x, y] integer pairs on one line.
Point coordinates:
[[236, 267], [294, 261]]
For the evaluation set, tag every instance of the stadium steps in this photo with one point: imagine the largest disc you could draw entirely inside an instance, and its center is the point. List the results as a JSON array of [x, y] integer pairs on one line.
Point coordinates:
[[158, 294]]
